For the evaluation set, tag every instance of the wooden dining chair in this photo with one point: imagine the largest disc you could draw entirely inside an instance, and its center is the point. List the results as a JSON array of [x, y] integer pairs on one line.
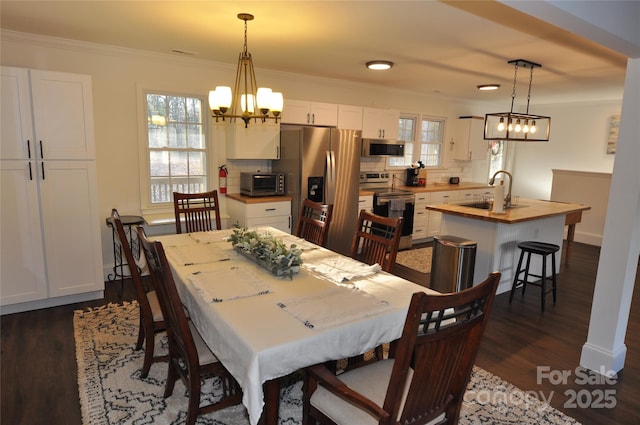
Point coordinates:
[[424, 379], [189, 357], [198, 210], [313, 223], [377, 239], [151, 318]]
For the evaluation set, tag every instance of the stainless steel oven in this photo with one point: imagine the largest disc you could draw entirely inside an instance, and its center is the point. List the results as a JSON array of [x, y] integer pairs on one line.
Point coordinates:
[[396, 203]]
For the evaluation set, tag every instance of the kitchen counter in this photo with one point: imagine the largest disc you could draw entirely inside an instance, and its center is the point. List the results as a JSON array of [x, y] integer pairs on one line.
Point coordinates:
[[497, 235], [436, 187], [526, 210], [257, 199]]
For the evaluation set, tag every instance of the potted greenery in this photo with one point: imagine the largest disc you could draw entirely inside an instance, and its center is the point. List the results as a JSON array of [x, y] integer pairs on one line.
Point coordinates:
[[268, 251]]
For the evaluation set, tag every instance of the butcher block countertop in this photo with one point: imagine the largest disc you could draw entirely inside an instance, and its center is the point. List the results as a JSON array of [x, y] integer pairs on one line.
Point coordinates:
[[436, 187], [526, 210], [257, 199]]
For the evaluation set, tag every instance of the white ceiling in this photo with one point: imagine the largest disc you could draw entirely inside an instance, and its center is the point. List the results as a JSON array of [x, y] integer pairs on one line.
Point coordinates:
[[438, 47]]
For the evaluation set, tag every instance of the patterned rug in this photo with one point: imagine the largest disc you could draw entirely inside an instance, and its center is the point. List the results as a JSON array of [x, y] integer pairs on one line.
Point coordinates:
[[112, 392], [417, 259]]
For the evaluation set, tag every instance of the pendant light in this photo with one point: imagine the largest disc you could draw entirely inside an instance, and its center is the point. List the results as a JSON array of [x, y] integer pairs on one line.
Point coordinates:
[[515, 126], [246, 101]]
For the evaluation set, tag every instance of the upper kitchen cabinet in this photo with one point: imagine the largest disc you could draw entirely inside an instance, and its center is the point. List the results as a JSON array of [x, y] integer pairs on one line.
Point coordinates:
[[350, 117], [309, 113], [380, 123], [258, 141], [468, 141]]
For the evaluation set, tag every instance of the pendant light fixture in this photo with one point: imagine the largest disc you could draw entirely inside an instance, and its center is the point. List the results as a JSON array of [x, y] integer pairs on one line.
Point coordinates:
[[247, 101], [515, 126]]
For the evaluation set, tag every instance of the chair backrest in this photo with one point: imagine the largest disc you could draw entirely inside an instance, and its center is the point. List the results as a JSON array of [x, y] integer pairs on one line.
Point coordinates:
[[172, 309], [313, 223], [198, 211], [377, 239], [439, 343], [132, 263]]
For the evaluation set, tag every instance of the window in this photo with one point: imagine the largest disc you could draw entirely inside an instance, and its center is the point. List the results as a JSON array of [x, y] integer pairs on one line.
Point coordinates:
[[423, 144], [176, 147]]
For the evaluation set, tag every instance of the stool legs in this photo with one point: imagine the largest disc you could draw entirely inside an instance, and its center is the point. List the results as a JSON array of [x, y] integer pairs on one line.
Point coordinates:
[[517, 282]]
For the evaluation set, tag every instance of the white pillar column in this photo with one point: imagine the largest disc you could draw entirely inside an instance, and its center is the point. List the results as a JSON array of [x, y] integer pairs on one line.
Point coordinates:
[[605, 351]]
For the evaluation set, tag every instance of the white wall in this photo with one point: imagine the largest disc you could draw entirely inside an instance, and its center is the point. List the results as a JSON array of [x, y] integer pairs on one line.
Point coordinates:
[[578, 141]]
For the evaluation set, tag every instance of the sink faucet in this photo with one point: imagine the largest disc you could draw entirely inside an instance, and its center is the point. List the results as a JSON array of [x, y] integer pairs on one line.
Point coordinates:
[[507, 198]]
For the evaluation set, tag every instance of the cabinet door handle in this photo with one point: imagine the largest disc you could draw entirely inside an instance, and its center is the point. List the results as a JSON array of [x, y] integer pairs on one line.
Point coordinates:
[[308, 118], [41, 152], [269, 209], [30, 173], [289, 222], [28, 149], [42, 166], [313, 118]]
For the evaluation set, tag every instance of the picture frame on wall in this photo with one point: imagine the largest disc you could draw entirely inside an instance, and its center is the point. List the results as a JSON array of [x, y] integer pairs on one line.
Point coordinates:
[[612, 141]]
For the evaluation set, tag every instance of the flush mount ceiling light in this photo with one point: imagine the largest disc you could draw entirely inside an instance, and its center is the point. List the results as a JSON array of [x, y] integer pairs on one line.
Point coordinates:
[[515, 126], [247, 101], [488, 87], [379, 65]]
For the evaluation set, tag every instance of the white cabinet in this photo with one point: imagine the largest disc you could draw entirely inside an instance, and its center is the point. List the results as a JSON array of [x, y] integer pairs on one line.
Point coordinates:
[[350, 117], [276, 214], [257, 141], [468, 142], [421, 216], [365, 202], [51, 247], [435, 217], [380, 123], [309, 113]]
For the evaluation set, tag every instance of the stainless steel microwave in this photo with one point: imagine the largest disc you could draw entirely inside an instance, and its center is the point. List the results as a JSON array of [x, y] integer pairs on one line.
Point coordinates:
[[262, 184], [382, 147]]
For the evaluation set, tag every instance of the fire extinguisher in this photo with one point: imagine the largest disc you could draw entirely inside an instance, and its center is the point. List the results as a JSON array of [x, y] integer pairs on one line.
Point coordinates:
[[222, 175]]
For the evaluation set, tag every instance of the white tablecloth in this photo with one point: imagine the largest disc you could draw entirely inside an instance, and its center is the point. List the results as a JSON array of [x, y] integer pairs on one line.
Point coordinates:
[[256, 339]]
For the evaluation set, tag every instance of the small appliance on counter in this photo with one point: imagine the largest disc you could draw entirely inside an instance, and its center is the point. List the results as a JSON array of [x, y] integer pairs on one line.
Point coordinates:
[[454, 180], [262, 184], [416, 175]]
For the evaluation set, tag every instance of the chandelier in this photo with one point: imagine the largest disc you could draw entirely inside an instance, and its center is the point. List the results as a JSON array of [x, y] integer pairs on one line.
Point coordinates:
[[247, 101], [515, 126]]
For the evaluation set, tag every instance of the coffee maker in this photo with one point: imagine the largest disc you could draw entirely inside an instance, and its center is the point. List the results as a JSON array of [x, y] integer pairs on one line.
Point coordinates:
[[412, 176]]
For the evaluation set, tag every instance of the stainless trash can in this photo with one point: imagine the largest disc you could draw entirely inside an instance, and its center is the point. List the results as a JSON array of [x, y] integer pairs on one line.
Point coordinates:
[[453, 263]]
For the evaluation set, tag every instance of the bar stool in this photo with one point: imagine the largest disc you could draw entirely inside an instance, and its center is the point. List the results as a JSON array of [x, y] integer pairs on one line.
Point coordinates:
[[539, 248]]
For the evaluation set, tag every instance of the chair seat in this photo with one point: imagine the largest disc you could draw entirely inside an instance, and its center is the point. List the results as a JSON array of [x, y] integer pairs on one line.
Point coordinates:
[[540, 248], [371, 381], [205, 356], [155, 306]]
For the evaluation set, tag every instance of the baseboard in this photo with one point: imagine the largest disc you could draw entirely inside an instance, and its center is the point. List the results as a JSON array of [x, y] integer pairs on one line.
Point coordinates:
[[51, 302]]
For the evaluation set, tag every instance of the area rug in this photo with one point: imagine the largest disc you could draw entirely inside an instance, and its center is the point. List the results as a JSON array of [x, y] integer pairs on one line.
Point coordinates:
[[418, 259], [112, 391]]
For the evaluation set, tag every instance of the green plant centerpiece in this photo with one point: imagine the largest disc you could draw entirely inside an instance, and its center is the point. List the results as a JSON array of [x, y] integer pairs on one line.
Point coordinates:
[[268, 251]]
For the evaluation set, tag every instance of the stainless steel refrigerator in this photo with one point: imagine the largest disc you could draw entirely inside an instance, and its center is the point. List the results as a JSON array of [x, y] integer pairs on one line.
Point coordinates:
[[323, 164]]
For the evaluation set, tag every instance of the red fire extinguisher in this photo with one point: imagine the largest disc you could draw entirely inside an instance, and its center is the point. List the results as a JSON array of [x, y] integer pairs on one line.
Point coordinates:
[[222, 175]]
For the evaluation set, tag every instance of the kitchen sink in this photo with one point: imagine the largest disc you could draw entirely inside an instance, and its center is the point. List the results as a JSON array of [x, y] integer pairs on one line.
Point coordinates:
[[486, 205]]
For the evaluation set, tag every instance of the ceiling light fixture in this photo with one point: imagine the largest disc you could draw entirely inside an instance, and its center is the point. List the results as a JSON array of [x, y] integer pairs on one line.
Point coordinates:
[[488, 87], [514, 126], [247, 101], [379, 65]]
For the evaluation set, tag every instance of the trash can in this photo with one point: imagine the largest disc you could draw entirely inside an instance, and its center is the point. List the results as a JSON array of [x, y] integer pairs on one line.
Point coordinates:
[[453, 263]]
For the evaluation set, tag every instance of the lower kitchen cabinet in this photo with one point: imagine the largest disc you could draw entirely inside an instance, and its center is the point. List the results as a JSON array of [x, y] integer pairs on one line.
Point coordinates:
[[365, 202], [421, 217], [274, 214]]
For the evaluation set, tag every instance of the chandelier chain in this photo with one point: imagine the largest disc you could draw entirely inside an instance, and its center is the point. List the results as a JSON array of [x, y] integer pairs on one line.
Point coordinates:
[[515, 79], [529, 93]]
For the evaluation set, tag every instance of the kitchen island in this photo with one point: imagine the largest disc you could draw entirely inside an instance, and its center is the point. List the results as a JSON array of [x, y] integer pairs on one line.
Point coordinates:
[[498, 235]]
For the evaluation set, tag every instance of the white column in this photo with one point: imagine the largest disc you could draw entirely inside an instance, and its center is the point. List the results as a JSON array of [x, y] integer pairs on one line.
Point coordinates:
[[605, 350]]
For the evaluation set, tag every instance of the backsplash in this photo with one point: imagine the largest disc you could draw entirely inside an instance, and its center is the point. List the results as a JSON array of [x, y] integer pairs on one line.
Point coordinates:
[[462, 169]]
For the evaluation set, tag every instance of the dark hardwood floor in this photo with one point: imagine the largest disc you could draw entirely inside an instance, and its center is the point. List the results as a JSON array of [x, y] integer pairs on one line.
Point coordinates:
[[39, 379]]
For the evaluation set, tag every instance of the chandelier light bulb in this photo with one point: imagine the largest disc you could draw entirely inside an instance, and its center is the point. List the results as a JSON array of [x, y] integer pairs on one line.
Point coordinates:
[[501, 124], [263, 97], [510, 126], [525, 127], [277, 102], [533, 128], [518, 126]]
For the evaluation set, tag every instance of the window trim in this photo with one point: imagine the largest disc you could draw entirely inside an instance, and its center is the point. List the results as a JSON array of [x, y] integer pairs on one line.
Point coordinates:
[[146, 206], [416, 142]]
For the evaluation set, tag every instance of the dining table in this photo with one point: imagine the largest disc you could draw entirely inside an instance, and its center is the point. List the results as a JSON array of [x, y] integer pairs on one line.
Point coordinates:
[[263, 327]]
